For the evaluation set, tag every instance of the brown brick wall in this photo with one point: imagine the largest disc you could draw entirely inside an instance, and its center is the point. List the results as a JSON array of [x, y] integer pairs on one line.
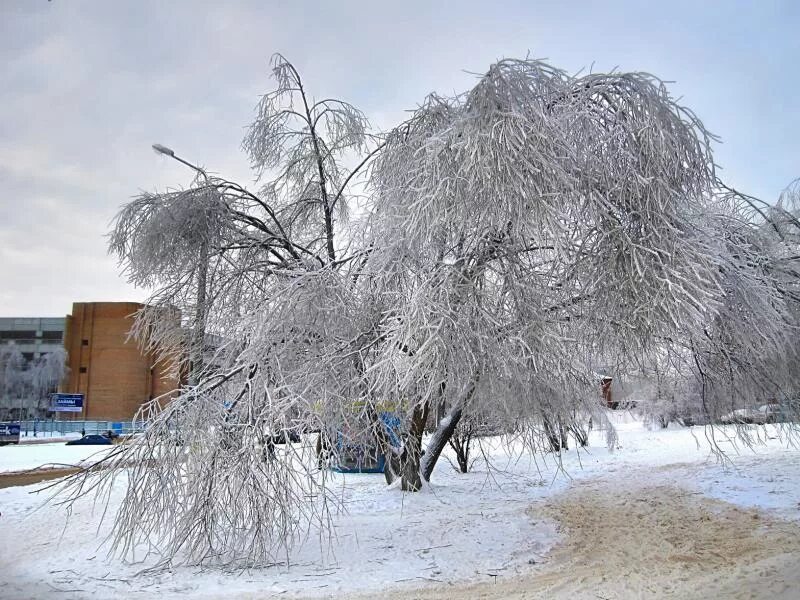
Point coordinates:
[[118, 378]]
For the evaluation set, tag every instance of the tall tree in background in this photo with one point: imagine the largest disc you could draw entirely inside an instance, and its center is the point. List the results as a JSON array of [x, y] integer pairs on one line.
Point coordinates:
[[25, 387], [515, 239], [12, 379], [45, 374]]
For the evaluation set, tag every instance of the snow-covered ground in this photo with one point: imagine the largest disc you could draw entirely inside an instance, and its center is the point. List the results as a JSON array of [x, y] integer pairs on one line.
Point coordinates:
[[28, 434], [57, 454], [43, 437], [462, 528]]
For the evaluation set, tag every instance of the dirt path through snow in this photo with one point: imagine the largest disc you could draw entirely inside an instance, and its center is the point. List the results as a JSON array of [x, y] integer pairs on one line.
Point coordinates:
[[623, 539]]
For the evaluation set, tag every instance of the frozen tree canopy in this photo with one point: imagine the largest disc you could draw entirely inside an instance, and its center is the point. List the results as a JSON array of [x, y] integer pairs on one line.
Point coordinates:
[[510, 243], [25, 386]]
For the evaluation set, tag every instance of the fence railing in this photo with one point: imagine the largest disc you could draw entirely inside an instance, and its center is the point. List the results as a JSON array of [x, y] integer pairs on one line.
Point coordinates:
[[50, 427]]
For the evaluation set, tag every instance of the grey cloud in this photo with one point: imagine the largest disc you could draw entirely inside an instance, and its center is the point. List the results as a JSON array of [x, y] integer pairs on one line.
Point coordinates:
[[87, 86]]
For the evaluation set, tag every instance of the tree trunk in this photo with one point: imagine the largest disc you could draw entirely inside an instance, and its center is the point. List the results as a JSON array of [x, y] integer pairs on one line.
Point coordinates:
[[411, 464], [444, 431], [581, 435], [460, 442], [405, 464], [556, 435]]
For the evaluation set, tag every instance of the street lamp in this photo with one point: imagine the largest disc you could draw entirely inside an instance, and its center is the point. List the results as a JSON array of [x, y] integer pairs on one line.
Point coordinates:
[[164, 151], [199, 326]]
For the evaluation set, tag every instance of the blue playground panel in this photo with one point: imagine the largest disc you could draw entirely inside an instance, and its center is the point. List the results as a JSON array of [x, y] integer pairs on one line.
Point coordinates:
[[359, 458]]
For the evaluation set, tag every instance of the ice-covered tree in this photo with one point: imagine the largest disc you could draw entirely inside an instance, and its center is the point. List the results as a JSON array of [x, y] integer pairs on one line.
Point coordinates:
[[263, 272], [749, 352], [512, 239], [45, 374], [12, 379], [539, 225], [26, 385]]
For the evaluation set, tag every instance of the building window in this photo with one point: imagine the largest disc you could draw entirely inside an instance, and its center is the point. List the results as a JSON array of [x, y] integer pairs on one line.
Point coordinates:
[[84, 342], [17, 335], [82, 370]]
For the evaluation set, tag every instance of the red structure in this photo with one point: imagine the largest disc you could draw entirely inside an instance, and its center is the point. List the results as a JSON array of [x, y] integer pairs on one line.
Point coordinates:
[[109, 369], [608, 398]]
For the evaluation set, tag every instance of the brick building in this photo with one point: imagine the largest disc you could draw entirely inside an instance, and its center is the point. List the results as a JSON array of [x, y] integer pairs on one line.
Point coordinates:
[[115, 377]]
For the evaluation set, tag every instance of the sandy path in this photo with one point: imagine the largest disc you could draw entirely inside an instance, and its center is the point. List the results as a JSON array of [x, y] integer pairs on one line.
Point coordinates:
[[650, 541], [32, 476]]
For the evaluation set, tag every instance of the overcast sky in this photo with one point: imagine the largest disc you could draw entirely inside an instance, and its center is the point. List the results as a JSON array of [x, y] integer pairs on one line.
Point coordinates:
[[86, 87]]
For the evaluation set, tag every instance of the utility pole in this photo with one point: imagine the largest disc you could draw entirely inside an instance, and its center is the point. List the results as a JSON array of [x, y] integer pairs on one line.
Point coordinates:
[[198, 334]]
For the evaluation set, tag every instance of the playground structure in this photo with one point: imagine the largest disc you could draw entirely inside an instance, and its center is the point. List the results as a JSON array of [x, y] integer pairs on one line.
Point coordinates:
[[355, 455]]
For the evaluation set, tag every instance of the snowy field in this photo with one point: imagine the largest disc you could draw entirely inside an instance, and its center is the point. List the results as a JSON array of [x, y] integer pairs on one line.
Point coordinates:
[[512, 518], [44, 437], [27, 436], [48, 455]]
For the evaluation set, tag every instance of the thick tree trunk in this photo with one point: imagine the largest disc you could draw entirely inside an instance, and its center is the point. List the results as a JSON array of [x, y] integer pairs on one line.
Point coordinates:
[[410, 464], [443, 433], [405, 464], [323, 449], [413, 450]]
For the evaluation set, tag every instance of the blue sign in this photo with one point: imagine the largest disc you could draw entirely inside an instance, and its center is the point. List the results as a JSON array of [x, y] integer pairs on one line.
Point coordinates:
[[9, 429], [9, 433], [66, 402]]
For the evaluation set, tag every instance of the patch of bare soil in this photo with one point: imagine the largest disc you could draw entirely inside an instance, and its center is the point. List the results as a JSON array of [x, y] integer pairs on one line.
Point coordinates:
[[32, 476], [623, 540]]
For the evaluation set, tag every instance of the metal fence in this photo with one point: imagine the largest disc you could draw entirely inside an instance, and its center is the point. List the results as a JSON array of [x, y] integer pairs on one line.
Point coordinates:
[[52, 427]]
